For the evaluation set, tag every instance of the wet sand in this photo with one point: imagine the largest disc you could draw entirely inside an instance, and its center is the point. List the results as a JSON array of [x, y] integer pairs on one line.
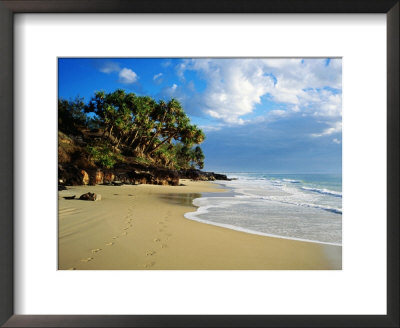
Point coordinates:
[[142, 227]]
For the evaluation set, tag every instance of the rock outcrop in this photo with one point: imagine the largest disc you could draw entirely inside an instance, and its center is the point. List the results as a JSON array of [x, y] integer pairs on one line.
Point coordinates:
[[71, 175], [85, 177], [124, 174], [131, 174], [198, 175]]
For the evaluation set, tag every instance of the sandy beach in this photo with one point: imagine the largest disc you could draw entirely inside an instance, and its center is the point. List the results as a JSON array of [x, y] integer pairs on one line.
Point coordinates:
[[141, 227]]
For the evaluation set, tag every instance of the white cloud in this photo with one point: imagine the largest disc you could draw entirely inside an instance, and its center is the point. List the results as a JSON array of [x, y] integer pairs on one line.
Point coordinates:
[[166, 63], [208, 128], [336, 141], [180, 71], [109, 67], [278, 113], [174, 91], [126, 75], [236, 86], [335, 127], [157, 76], [233, 87]]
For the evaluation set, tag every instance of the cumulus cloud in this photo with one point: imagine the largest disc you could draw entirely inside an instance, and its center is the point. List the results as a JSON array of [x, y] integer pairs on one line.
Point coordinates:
[[126, 75], [236, 86], [233, 87], [336, 141]]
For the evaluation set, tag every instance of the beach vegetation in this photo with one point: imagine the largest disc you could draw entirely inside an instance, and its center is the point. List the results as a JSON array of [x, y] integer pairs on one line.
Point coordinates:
[[102, 155], [120, 124], [71, 115]]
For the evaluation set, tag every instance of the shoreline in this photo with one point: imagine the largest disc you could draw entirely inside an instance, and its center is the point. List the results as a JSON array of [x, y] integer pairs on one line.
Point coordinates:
[[249, 231], [257, 233], [143, 227]]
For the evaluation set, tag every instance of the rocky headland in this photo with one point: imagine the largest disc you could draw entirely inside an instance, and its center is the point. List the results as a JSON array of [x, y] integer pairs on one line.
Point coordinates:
[[74, 169]]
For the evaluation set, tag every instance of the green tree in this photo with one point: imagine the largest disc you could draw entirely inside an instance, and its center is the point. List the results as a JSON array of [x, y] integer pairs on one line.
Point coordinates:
[[71, 115], [147, 128], [198, 157]]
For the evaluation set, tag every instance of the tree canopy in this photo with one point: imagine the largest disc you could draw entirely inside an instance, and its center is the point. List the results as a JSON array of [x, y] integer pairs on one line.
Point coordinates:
[[137, 126]]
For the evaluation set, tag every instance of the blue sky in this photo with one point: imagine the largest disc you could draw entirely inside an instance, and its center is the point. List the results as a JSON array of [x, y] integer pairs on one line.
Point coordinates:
[[259, 114]]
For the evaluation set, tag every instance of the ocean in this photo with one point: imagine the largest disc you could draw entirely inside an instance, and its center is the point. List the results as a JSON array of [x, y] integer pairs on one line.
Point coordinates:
[[304, 207]]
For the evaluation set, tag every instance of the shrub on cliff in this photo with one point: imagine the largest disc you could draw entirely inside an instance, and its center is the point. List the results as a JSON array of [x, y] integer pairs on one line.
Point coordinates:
[[102, 155]]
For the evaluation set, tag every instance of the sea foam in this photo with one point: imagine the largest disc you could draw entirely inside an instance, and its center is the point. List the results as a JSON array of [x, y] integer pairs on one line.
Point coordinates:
[[277, 207]]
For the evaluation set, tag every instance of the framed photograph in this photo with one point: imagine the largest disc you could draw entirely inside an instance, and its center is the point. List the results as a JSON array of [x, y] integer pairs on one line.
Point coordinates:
[[170, 133], [199, 164]]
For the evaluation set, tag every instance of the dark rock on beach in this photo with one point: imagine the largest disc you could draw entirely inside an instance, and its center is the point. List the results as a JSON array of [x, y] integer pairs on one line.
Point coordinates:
[[90, 196], [198, 175]]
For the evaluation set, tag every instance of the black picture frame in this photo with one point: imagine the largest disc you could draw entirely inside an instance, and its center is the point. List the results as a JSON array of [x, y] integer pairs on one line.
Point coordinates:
[[10, 7]]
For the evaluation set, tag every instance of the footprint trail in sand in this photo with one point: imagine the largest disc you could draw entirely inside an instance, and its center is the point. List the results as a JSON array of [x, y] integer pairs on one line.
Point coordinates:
[[129, 225]]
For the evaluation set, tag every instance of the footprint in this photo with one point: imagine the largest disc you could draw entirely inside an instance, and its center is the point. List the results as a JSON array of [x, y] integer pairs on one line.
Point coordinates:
[[149, 265], [115, 237], [88, 259], [150, 253], [110, 244], [164, 246], [94, 251], [157, 239], [124, 233], [71, 268]]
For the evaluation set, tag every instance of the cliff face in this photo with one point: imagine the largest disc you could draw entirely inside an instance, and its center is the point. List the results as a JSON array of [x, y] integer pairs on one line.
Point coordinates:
[[75, 169], [70, 174]]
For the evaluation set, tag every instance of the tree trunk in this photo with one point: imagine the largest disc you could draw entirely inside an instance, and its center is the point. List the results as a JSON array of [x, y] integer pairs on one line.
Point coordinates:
[[160, 144], [156, 134]]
